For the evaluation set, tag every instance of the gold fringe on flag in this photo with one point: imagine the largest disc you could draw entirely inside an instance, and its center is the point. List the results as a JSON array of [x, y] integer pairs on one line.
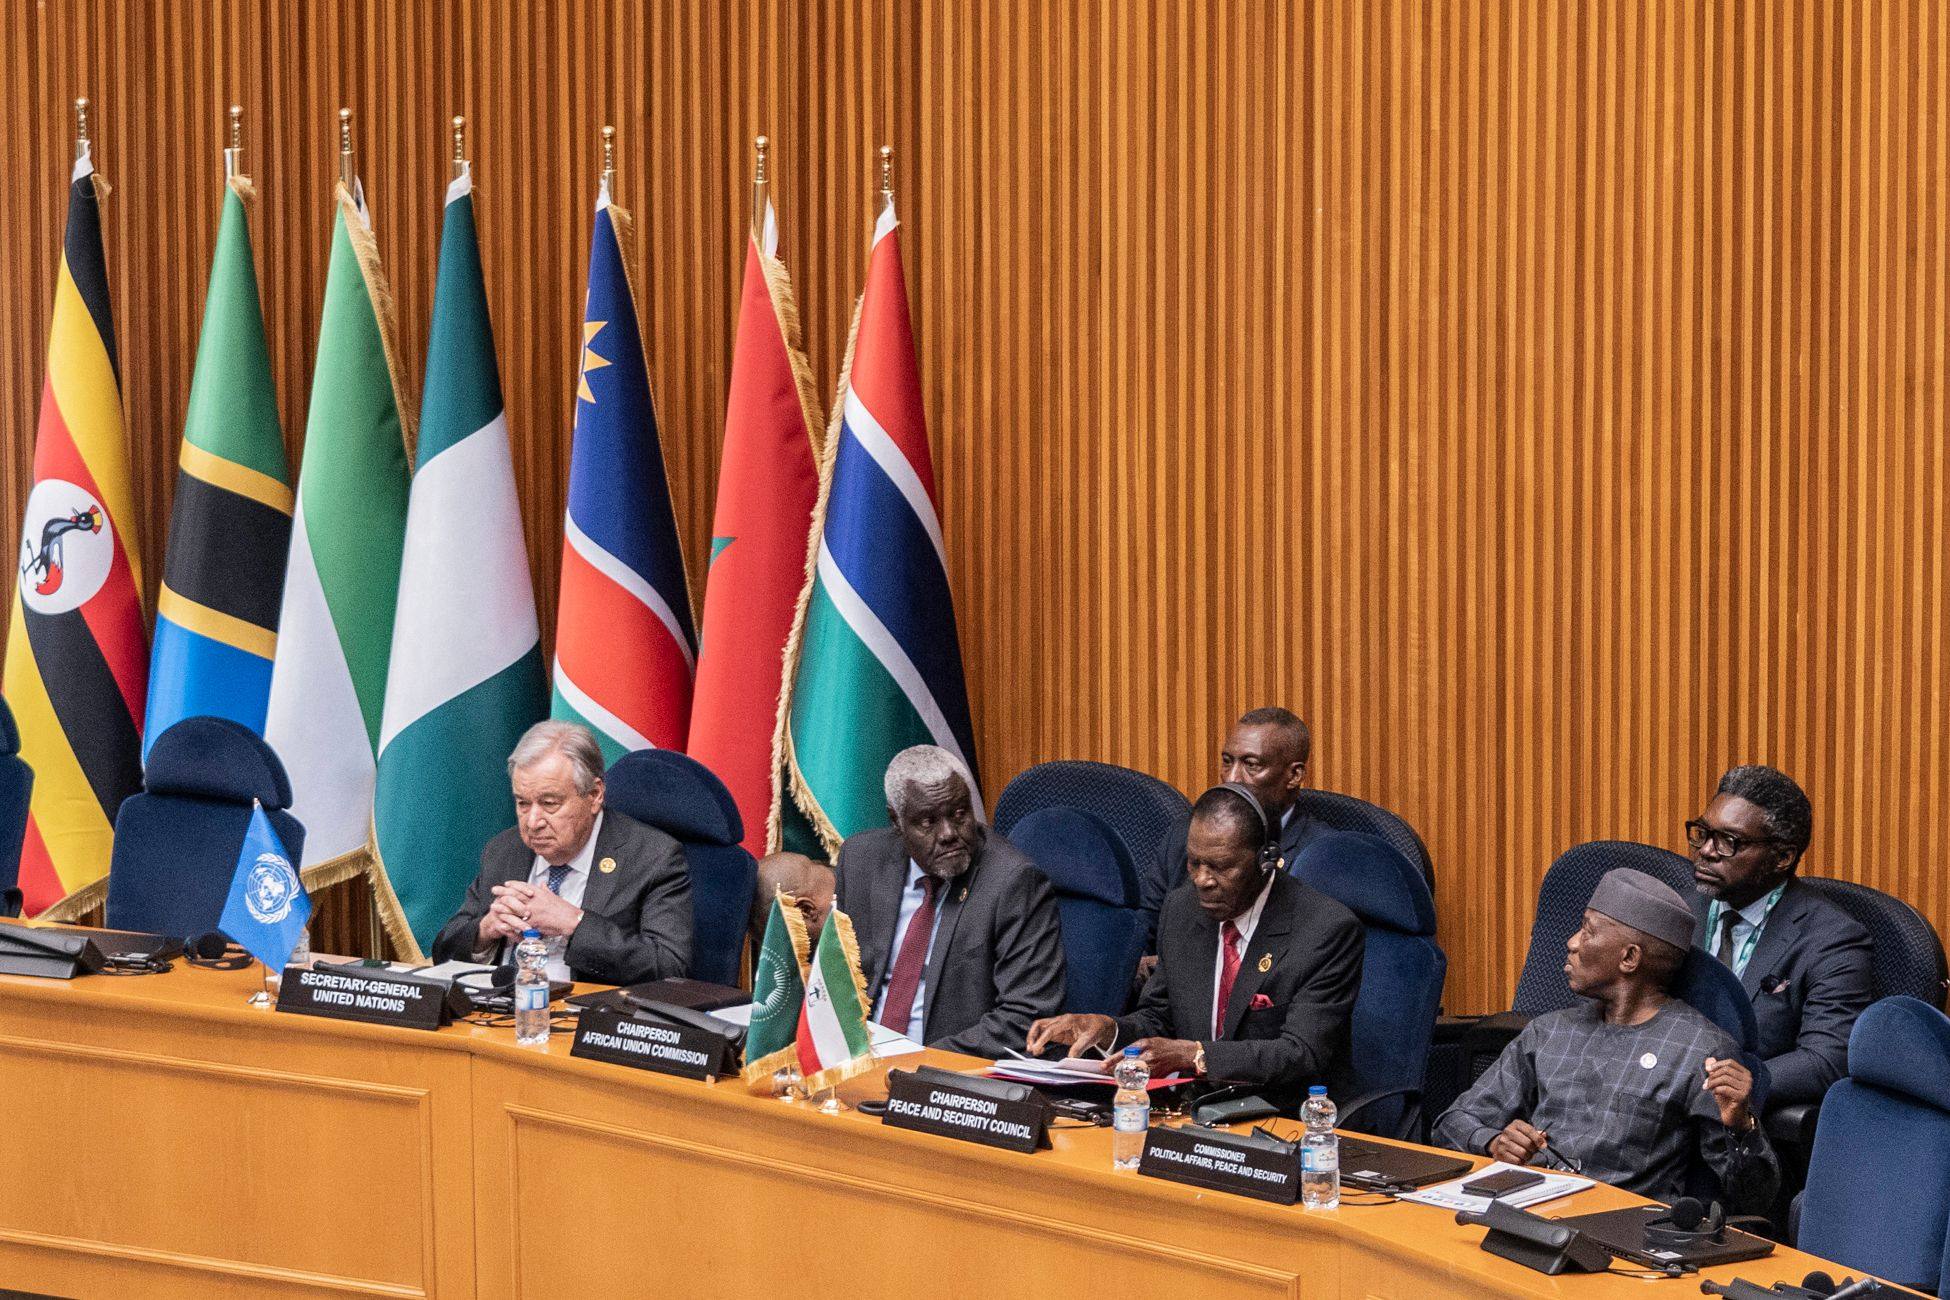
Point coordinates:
[[834, 1076], [786, 908]]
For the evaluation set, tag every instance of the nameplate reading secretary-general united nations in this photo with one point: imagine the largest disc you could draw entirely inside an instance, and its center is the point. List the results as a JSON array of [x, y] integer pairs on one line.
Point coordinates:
[[379, 997]]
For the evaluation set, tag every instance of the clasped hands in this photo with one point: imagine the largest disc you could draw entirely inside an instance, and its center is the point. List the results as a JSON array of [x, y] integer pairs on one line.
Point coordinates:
[[1730, 1082], [1161, 1056], [519, 906]]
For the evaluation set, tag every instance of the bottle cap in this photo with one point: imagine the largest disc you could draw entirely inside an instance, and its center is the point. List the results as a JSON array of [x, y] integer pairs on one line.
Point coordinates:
[[1132, 1050], [536, 934], [1318, 1090]]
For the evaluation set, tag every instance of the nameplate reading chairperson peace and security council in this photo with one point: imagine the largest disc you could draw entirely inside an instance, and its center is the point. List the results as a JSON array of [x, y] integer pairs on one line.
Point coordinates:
[[969, 1113], [379, 997], [605, 1034], [1223, 1162]]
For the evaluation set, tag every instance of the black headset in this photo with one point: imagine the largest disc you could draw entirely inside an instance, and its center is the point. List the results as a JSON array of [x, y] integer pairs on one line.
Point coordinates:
[[1269, 848], [213, 951], [1687, 1223]]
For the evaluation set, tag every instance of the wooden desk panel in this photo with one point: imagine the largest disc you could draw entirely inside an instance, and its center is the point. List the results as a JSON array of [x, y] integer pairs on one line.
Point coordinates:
[[284, 1155]]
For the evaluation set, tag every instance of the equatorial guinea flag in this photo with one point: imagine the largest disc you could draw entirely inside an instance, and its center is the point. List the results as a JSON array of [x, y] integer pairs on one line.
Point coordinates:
[[877, 659], [230, 528], [77, 658], [466, 677], [768, 484], [625, 646], [335, 629], [834, 1042]]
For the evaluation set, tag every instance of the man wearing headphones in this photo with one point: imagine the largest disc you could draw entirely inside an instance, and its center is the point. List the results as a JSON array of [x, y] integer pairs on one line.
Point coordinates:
[[1256, 972]]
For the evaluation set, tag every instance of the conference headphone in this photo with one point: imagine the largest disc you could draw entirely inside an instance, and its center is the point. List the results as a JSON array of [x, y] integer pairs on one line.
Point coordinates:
[[1269, 848], [213, 951], [1687, 1223]]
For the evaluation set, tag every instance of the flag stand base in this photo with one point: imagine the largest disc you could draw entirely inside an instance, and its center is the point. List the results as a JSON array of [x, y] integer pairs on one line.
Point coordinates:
[[267, 996], [830, 1103]]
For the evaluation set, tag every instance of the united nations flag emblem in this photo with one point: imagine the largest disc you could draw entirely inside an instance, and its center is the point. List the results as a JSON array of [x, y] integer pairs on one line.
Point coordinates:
[[270, 888]]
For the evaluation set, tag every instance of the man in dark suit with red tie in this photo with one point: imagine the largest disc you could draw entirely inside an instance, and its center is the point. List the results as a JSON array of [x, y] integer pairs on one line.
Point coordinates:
[[1256, 972], [958, 931]]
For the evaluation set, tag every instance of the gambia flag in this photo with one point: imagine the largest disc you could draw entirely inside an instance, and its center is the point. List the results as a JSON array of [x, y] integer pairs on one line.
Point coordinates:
[[77, 658], [466, 672], [833, 1041], [335, 631], [230, 529], [625, 646], [878, 660], [778, 993]]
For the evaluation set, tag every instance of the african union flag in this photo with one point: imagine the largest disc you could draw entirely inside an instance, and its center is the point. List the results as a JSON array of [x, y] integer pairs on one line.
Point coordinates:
[[223, 574], [625, 648], [878, 660], [77, 659]]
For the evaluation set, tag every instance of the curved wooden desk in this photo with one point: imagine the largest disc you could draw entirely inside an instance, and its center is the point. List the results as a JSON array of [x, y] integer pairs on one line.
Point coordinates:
[[167, 1139]]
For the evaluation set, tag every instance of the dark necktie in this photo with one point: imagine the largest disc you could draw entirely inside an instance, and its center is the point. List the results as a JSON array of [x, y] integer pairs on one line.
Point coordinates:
[[1725, 951], [910, 961], [1228, 972], [556, 875]]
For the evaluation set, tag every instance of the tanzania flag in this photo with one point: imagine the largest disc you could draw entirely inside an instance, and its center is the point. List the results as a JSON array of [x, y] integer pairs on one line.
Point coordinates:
[[768, 483], [625, 647], [76, 654], [778, 993], [223, 575], [834, 1043], [335, 632], [878, 659], [466, 677]]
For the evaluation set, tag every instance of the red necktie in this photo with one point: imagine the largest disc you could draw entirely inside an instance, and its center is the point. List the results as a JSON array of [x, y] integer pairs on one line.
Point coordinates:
[[912, 960], [1229, 946]]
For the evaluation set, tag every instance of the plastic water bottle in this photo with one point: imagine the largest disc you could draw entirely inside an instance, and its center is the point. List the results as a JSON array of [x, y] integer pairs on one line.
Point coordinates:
[[531, 989], [1130, 1111], [1320, 1153]]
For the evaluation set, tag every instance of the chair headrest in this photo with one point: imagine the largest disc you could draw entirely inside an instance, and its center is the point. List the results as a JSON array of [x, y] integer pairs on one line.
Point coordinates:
[[1370, 877], [1903, 1044], [9, 733], [1708, 986], [215, 758], [1082, 856], [675, 793]]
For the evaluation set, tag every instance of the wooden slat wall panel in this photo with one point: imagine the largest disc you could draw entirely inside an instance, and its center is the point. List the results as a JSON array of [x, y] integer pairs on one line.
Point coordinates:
[[1547, 400]]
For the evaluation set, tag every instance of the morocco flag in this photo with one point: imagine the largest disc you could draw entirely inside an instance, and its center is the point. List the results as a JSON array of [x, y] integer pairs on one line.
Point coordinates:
[[834, 1042], [77, 658], [768, 483]]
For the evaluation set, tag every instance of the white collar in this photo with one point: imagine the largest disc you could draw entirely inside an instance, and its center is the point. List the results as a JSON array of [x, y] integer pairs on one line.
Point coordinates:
[[584, 856], [1248, 921]]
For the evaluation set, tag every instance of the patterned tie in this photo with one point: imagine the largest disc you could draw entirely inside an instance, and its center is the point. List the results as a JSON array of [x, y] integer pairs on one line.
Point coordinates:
[[912, 959], [1728, 919], [1229, 946], [556, 875]]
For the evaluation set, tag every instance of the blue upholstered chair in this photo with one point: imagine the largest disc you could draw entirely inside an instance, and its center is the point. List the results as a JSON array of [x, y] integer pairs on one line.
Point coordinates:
[[1906, 955], [1878, 1195], [1402, 970], [1097, 898], [683, 798], [1140, 808], [1343, 812], [1710, 988], [16, 787], [176, 843]]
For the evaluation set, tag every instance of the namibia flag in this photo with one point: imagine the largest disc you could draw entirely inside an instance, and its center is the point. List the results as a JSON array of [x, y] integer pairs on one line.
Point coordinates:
[[223, 575], [76, 656]]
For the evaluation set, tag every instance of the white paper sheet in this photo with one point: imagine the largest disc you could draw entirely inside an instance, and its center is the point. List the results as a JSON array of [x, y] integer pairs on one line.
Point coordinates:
[[1449, 1195], [885, 1041]]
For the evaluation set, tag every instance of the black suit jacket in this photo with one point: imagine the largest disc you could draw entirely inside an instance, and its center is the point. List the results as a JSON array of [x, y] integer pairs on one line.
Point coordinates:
[[1166, 870], [997, 960], [1809, 980], [636, 919], [1304, 958]]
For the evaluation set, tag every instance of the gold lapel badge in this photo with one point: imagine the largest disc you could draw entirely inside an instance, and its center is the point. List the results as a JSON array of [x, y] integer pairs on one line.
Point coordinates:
[[1265, 963], [606, 866], [963, 896]]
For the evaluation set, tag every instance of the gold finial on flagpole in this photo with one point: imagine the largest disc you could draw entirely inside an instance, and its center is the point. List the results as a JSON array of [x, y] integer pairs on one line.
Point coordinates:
[[609, 161], [460, 146], [345, 148], [886, 175], [760, 189], [233, 154], [80, 129]]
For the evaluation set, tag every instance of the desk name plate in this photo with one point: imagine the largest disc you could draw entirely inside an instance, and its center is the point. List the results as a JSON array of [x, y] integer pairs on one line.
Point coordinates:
[[606, 1034], [1222, 1162], [967, 1114], [379, 997]]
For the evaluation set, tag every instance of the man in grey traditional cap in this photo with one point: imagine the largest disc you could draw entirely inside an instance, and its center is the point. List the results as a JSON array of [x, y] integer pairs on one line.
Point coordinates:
[[1632, 1086]]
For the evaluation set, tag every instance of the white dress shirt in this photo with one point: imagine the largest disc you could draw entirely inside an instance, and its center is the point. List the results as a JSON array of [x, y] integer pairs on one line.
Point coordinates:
[[1247, 923], [574, 884], [912, 896]]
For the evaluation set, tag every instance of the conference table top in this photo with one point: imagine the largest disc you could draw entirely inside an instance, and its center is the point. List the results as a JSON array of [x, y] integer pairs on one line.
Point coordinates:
[[199, 1016]]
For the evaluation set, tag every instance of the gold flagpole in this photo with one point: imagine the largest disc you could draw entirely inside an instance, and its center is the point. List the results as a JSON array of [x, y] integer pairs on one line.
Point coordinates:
[[761, 188], [886, 177], [80, 129], [345, 150], [233, 154], [609, 163], [460, 147]]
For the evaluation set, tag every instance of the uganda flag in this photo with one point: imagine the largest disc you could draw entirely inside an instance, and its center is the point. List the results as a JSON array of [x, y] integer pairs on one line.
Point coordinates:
[[223, 574], [76, 656]]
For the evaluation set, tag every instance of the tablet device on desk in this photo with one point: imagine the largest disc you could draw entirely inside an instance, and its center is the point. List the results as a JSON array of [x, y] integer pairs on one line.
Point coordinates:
[[1623, 1231], [1378, 1167]]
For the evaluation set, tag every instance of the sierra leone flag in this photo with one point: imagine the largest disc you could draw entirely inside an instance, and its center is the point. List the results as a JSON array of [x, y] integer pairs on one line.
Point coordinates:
[[625, 645], [466, 674], [778, 993], [878, 660], [335, 628], [230, 528], [833, 1042], [77, 657]]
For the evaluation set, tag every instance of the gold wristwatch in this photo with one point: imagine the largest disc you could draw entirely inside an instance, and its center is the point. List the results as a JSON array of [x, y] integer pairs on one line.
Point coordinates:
[[1198, 1060]]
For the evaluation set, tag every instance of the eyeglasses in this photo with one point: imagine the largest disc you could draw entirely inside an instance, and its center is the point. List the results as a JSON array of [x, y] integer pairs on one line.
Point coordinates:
[[1724, 843]]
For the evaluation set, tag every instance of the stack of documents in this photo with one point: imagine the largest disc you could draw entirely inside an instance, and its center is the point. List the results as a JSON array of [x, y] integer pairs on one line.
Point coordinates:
[[1449, 1195]]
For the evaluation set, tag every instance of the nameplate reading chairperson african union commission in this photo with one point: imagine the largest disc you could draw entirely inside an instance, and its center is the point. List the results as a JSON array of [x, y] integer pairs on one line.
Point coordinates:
[[1224, 1162], [379, 997], [604, 1034], [1011, 1117]]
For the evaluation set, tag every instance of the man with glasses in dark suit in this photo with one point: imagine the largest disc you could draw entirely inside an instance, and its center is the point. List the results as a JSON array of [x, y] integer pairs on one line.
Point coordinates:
[[1803, 961]]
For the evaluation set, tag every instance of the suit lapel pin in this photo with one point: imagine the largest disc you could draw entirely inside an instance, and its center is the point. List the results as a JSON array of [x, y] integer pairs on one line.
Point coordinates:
[[1265, 963], [962, 897], [606, 866]]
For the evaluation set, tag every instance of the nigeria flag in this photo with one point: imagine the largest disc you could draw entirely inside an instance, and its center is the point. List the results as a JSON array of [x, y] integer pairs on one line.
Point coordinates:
[[778, 991], [834, 1043], [466, 676]]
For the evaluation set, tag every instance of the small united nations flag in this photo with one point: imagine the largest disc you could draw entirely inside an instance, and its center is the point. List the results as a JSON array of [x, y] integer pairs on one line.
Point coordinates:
[[267, 907]]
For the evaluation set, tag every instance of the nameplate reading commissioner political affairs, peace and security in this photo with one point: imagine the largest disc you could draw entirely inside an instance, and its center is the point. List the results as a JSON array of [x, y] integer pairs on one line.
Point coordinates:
[[1222, 1162]]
